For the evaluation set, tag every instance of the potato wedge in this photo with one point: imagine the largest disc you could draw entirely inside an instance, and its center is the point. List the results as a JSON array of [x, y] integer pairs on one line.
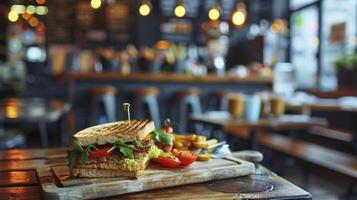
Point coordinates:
[[201, 138], [191, 137], [204, 157], [178, 144], [205, 143]]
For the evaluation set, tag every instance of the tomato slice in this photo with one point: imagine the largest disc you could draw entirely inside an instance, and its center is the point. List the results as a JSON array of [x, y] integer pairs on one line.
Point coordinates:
[[99, 153], [168, 129], [186, 157], [169, 162]]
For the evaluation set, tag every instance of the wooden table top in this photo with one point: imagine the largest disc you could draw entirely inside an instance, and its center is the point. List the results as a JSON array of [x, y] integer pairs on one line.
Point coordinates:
[[18, 179], [32, 109], [332, 106], [286, 122], [162, 77]]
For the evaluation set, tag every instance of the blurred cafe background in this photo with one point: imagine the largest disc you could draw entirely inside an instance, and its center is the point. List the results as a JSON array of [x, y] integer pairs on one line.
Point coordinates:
[[284, 70]]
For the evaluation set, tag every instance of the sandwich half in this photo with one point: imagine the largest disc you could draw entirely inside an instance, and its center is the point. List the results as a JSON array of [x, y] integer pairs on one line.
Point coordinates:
[[113, 149]]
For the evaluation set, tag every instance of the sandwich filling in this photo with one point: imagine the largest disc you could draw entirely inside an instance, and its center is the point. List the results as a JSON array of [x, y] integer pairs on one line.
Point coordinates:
[[117, 156], [116, 149]]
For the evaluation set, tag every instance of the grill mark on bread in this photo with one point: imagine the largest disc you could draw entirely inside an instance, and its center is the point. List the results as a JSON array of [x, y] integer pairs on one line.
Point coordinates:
[[139, 125], [120, 129], [110, 128]]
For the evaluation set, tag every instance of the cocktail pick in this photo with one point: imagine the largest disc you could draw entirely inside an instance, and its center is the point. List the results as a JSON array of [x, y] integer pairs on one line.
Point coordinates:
[[126, 107]]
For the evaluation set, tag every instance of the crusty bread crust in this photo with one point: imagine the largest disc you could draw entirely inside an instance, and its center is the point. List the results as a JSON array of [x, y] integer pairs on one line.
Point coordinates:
[[98, 173], [111, 132]]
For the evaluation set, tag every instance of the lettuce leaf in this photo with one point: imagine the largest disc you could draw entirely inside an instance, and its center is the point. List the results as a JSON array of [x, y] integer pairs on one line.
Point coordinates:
[[125, 149], [160, 136]]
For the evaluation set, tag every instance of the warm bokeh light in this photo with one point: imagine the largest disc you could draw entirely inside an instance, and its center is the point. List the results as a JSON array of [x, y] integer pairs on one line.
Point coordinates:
[[11, 111], [18, 8], [238, 18], [144, 9], [13, 16], [213, 14], [95, 3], [41, 10], [31, 9], [33, 21], [26, 16], [180, 11], [279, 26], [40, 2], [163, 44]]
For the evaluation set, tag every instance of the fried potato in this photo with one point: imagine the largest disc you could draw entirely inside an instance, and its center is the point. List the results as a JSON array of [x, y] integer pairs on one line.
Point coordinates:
[[205, 143], [178, 144], [204, 157], [200, 138], [191, 137]]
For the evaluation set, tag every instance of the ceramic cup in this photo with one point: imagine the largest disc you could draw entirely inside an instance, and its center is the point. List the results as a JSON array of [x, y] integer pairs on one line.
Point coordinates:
[[277, 106], [252, 108], [236, 105]]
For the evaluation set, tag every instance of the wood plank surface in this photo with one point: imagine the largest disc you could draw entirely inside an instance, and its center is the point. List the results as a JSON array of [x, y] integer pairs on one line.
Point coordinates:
[[28, 164], [18, 178], [30, 154], [282, 188], [163, 77], [321, 156], [19, 193], [154, 177]]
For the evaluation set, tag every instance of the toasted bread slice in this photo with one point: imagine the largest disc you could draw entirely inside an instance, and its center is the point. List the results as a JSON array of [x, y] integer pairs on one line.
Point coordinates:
[[103, 173], [107, 168], [111, 132]]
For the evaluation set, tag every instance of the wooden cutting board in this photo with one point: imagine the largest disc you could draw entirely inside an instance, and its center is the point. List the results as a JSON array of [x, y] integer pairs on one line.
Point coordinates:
[[57, 184]]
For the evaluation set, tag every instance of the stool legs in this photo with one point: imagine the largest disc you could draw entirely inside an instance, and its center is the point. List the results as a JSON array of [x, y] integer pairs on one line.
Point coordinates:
[[153, 110], [182, 117], [109, 106], [43, 134], [184, 104]]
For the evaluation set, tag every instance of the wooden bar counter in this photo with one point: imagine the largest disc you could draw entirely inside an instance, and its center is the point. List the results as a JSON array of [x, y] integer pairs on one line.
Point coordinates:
[[163, 78], [78, 84], [18, 180]]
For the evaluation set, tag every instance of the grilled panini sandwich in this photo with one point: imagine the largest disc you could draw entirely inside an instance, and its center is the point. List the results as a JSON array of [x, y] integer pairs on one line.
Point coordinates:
[[120, 148]]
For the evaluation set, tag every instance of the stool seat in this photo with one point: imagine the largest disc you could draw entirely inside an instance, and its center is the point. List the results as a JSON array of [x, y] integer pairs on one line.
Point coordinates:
[[144, 91], [220, 93], [101, 90], [187, 92], [186, 101], [146, 104], [102, 104], [219, 99]]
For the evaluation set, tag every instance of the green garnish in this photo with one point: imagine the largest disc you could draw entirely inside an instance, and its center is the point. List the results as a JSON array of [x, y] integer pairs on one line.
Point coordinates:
[[160, 136], [154, 152], [78, 150], [129, 163], [125, 149]]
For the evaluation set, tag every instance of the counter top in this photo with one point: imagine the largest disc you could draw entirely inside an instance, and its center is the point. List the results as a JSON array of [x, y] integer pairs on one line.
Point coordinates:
[[162, 77]]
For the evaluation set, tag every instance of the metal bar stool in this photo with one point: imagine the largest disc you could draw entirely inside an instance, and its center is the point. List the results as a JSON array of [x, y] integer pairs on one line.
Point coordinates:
[[146, 104], [187, 101], [104, 96], [220, 99]]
